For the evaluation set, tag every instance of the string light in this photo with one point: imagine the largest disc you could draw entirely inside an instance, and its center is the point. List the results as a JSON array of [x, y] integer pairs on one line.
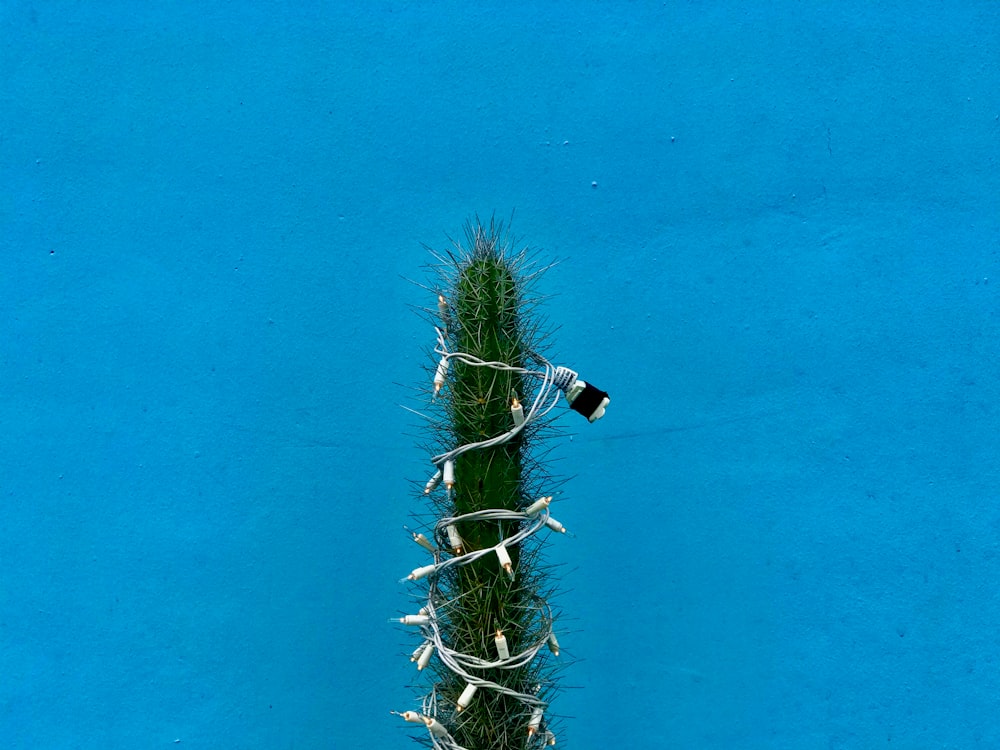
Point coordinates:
[[421, 572], [423, 541], [466, 697], [436, 728], [535, 720], [555, 525], [581, 397], [419, 650], [432, 724], [411, 716], [433, 482], [443, 310], [464, 664], [538, 506], [425, 657], [449, 473], [454, 539], [412, 619], [517, 412], [504, 557], [501, 643], [439, 375]]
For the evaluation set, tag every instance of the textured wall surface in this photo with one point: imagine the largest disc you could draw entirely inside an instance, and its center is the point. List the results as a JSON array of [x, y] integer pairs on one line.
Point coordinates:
[[781, 240]]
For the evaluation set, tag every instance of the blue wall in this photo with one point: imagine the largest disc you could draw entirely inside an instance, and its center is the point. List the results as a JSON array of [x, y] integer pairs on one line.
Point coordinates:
[[786, 275]]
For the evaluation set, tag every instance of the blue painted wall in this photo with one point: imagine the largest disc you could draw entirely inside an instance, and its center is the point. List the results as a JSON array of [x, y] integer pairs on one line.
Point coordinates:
[[781, 233]]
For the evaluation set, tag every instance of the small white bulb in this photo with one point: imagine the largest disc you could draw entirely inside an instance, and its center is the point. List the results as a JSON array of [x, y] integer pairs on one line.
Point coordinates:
[[454, 539], [466, 697], [422, 572], [443, 310], [555, 525], [436, 727], [425, 657], [449, 473], [553, 644], [517, 412], [501, 643], [419, 650], [412, 716], [538, 506], [423, 541], [432, 483], [535, 720], [442, 370], [413, 619], [505, 561]]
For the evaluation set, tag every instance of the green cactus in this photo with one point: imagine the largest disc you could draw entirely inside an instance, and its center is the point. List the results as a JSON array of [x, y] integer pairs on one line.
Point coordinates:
[[487, 579]]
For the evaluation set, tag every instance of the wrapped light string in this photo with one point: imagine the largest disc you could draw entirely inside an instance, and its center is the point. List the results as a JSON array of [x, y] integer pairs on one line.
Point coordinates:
[[459, 663], [446, 527], [463, 666], [466, 665], [510, 639], [553, 381], [451, 552]]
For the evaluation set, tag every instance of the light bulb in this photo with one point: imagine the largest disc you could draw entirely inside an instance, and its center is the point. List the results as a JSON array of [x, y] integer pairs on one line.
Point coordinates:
[[422, 572], [432, 482], [538, 506], [454, 539], [419, 650], [412, 716], [501, 643], [436, 727], [553, 643], [536, 719], [423, 541], [413, 619], [466, 697], [504, 557], [517, 412], [425, 657], [442, 370], [443, 310]]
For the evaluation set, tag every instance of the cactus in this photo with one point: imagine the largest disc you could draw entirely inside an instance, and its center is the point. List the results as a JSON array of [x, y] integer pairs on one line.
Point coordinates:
[[486, 625]]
